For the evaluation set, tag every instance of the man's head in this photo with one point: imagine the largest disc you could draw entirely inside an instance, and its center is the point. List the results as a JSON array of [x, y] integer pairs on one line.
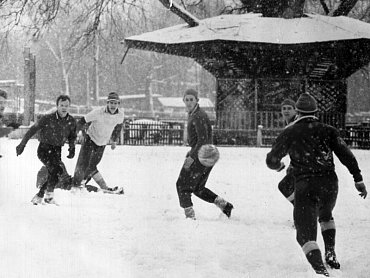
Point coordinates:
[[113, 102], [288, 109], [190, 99], [63, 103], [306, 104], [3, 97]]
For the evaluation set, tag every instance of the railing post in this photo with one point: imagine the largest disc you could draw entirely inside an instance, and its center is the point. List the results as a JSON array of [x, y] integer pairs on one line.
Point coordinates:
[[259, 136]]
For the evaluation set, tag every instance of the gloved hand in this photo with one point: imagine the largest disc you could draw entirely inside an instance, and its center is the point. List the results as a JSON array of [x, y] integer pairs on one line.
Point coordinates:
[[71, 152], [113, 145], [360, 186], [81, 137], [20, 148], [282, 166], [188, 161]]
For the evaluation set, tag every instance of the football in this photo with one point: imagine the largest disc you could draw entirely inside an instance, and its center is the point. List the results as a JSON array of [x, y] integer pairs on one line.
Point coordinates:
[[208, 155]]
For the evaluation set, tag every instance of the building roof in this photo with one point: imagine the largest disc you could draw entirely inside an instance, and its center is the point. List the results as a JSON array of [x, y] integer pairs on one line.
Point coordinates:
[[252, 46], [177, 102], [255, 28]]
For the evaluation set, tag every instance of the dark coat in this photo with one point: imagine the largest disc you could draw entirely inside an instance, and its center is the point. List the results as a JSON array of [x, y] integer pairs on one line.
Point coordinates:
[[53, 130], [310, 145], [199, 130]]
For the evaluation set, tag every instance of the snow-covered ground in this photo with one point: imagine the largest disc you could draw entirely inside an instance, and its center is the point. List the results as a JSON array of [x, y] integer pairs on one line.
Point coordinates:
[[144, 234]]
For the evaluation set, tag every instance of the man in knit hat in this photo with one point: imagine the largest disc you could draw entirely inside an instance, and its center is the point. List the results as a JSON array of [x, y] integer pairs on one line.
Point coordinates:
[[311, 145], [193, 176], [98, 128]]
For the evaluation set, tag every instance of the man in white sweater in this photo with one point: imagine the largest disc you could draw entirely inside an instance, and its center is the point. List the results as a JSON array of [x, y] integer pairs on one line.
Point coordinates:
[[103, 124]]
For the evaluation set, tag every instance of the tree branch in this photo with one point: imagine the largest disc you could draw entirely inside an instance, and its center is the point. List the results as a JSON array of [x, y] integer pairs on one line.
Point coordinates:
[[345, 7], [185, 15]]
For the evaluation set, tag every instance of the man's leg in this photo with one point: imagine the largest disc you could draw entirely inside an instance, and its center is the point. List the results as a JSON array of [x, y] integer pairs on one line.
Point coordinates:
[[184, 191], [327, 224], [305, 220], [82, 163], [204, 193], [50, 156], [96, 156]]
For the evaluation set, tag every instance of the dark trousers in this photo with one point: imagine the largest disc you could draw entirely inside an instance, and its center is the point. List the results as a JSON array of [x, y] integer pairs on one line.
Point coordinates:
[[89, 157], [286, 185], [193, 180], [50, 156], [315, 198]]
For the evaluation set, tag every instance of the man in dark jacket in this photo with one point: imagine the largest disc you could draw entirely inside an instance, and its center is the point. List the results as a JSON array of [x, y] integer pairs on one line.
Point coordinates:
[[310, 145], [194, 175], [54, 130]]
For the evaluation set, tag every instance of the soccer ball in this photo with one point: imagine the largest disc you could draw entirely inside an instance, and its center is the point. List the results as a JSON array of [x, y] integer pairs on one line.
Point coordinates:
[[208, 155]]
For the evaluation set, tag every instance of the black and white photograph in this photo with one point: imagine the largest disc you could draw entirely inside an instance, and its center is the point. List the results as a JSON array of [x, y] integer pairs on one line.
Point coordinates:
[[184, 138]]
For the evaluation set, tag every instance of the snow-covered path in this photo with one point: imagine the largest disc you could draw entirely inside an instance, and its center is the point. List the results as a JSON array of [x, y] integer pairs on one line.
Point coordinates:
[[144, 234]]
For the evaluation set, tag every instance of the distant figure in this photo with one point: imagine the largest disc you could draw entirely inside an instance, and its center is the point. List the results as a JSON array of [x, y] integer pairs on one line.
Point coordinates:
[[286, 185], [100, 124], [3, 97], [54, 130], [194, 175], [310, 145]]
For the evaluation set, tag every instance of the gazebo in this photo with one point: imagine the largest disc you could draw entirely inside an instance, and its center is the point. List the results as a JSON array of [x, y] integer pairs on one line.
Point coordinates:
[[258, 61]]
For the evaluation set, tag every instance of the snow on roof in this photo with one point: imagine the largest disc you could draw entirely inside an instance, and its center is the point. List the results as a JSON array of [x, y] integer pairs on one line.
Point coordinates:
[[255, 28], [177, 102], [135, 96]]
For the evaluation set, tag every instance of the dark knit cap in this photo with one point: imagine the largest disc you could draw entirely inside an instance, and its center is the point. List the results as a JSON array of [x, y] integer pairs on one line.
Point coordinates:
[[3, 94], [191, 92], [288, 101], [306, 104], [113, 96]]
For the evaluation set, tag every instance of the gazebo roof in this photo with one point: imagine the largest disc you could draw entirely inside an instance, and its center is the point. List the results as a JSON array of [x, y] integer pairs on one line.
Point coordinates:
[[258, 29], [246, 45]]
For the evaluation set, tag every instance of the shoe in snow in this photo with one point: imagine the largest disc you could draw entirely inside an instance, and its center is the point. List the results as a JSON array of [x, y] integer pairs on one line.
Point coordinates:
[[331, 259], [49, 198], [315, 259], [91, 188], [227, 210], [114, 190], [189, 213], [36, 200]]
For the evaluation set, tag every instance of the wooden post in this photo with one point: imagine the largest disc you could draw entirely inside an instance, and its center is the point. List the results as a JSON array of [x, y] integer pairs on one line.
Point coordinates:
[[255, 102], [29, 86]]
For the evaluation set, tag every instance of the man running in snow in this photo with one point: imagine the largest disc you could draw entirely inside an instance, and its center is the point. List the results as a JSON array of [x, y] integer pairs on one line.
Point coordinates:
[[286, 185], [194, 175], [310, 145], [101, 123], [54, 130]]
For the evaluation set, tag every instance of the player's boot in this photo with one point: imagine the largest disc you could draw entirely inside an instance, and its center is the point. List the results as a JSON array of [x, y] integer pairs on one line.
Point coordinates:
[[49, 198], [225, 206], [315, 259], [91, 188], [116, 190], [36, 200], [189, 213], [227, 210], [331, 259]]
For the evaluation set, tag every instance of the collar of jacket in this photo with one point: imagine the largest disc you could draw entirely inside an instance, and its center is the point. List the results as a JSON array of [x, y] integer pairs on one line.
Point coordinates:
[[106, 110], [302, 118], [196, 108], [58, 117]]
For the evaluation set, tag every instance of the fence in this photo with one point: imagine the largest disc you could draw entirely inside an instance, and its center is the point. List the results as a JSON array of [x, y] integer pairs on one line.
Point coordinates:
[[248, 129]]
